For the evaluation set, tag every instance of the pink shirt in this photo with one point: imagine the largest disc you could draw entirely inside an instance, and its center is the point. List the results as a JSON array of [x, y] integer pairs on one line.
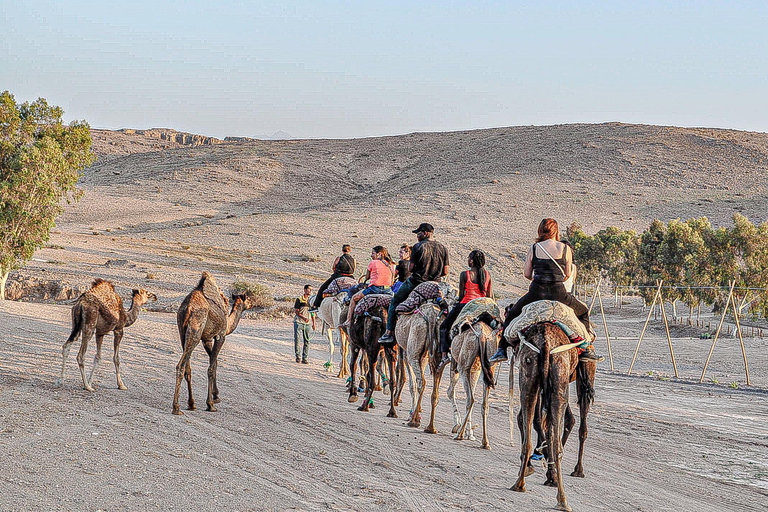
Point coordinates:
[[381, 273]]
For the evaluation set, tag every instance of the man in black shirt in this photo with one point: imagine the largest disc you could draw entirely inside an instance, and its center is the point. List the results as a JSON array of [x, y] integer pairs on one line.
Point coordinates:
[[344, 265], [429, 262]]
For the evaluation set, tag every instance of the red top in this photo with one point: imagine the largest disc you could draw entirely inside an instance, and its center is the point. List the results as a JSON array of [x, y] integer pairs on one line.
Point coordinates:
[[472, 290]]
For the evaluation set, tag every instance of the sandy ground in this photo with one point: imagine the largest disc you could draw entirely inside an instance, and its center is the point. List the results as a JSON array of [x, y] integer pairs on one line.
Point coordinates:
[[286, 438], [155, 215]]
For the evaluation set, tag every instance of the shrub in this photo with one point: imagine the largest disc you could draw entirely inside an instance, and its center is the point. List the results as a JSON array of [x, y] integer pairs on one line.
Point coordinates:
[[262, 293]]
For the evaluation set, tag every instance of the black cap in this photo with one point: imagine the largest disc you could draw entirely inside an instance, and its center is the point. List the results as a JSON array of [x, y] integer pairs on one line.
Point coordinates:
[[425, 227]]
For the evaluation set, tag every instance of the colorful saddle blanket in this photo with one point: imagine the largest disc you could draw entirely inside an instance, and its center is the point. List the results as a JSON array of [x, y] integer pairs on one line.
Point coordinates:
[[483, 308], [340, 284], [372, 301], [425, 291], [546, 311]]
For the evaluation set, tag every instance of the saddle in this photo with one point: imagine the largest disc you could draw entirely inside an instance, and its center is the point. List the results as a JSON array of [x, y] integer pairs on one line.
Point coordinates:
[[546, 311], [483, 309], [339, 285], [372, 301], [428, 290]]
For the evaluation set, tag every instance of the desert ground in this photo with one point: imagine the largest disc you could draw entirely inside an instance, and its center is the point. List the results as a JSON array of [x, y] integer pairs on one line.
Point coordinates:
[[155, 214]]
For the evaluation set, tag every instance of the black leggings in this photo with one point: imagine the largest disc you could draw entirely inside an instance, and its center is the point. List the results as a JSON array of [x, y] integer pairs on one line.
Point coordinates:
[[445, 327], [553, 291], [323, 287]]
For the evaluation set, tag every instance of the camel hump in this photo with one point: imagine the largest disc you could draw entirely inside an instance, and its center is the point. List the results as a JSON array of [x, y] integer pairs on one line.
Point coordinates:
[[211, 291], [102, 293]]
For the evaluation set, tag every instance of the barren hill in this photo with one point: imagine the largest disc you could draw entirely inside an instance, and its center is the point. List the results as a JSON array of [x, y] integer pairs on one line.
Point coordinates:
[[278, 211]]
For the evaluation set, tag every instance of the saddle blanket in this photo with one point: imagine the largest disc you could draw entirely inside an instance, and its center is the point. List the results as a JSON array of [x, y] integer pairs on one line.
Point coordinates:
[[473, 311], [423, 292], [545, 311], [340, 284], [372, 301]]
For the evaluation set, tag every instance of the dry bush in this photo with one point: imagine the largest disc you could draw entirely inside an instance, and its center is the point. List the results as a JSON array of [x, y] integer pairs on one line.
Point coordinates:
[[262, 293]]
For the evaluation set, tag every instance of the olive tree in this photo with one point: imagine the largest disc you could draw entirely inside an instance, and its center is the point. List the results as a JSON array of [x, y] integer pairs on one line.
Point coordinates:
[[40, 163]]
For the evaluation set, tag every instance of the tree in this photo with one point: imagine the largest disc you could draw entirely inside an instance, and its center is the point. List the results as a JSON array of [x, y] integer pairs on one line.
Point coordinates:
[[40, 163]]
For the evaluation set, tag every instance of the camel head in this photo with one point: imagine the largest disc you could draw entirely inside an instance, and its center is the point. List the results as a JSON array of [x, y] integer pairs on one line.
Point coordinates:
[[142, 296], [248, 300], [450, 295]]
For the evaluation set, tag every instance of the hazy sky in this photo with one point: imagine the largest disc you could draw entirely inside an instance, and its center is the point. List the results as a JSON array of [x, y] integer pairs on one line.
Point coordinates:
[[362, 68]]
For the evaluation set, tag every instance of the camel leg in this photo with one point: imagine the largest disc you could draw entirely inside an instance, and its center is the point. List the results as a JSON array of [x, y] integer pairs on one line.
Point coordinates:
[[380, 371], [411, 377], [116, 358], [559, 400], [469, 390], [529, 470], [212, 365], [369, 374], [486, 406], [64, 355], [188, 378], [389, 353], [87, 334], [189, 342], [344, 347], [398, 381], [417, 370], [96, 358], [352, 367], [329, 333], [452, 397], [511, 400], [436, 377], [529, 392], [581, 390]]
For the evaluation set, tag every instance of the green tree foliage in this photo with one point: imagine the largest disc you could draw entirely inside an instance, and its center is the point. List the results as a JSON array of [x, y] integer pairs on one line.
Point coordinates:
[[40, 163]]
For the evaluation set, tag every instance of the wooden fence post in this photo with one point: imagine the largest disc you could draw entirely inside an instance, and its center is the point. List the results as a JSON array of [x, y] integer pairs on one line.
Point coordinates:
[[719, 326], [594, 295], [666, 327], [605, 326], [650, 311], [741, 340]]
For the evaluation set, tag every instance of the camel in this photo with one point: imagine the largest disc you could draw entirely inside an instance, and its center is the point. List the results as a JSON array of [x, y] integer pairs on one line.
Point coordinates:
[[100, 310], [333, 313], [418, 342], [469, 351], [546, 377], [364, 333], [203, 316]]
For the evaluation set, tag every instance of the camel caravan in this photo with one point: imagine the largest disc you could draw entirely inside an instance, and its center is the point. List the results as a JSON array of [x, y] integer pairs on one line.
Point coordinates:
[[396, 320]]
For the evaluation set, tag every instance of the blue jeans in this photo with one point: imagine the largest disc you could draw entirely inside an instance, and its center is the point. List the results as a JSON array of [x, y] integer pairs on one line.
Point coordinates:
[[384, 290], [301, 334], [402, 293]]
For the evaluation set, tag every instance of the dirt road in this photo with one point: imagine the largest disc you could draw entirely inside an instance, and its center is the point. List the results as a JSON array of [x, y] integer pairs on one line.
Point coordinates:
[[285, 437]]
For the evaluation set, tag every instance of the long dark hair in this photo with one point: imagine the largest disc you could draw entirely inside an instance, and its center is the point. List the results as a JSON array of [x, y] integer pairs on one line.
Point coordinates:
[[478, 262], [384, 253]]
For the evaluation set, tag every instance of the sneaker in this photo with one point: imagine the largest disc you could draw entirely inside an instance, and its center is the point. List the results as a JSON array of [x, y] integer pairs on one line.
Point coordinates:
[[304, 361], [443, 363], [590, 355], [386, 339], [499, 356], [298, 359]]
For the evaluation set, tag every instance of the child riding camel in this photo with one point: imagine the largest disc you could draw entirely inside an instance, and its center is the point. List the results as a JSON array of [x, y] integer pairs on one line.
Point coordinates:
[[379, 274]]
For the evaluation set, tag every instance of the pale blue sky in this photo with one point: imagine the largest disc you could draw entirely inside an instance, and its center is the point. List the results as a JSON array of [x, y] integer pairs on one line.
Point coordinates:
[[352, 69]]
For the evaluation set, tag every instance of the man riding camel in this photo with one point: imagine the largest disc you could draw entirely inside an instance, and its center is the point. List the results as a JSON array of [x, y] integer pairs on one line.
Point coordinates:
[[429, 262], [344, 265]]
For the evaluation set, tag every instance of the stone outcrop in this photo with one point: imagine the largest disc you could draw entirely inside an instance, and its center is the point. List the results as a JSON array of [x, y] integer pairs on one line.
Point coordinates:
[[33, 290], [187, 139]]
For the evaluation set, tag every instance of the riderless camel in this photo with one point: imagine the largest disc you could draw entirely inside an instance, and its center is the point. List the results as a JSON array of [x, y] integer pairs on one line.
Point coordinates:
[[100, 310], [203, 316]]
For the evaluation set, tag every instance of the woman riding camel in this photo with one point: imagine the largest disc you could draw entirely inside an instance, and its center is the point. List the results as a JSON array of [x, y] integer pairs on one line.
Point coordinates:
[[548, 265], [473, 284], [379, 274]]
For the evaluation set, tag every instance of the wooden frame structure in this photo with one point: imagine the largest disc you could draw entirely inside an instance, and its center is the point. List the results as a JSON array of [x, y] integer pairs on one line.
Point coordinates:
[[657, 297], [730, 301]]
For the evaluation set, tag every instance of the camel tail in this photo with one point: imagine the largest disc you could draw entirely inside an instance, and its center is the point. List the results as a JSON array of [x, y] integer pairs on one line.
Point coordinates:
[[486, 365], [77, 322], [585, 391]]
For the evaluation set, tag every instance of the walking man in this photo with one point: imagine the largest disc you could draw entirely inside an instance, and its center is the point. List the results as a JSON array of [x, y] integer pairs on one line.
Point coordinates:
[[429, 262], [302, 319]]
